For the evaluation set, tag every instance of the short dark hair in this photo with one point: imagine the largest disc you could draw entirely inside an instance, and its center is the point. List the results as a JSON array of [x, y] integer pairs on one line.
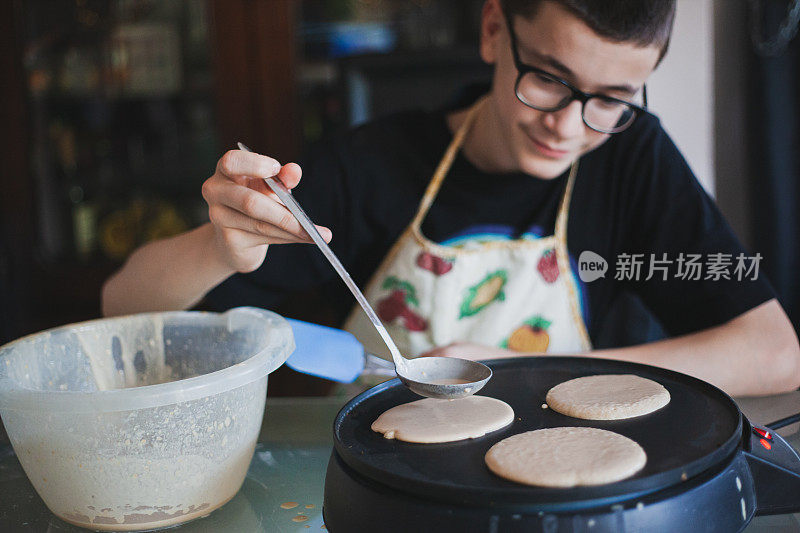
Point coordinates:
[[642, 22]]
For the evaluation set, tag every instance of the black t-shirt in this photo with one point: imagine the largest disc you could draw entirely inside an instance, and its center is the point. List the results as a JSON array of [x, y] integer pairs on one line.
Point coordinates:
[[634, 194]]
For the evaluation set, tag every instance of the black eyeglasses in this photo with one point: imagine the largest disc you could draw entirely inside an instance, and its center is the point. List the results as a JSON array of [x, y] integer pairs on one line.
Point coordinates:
[[542, 91]]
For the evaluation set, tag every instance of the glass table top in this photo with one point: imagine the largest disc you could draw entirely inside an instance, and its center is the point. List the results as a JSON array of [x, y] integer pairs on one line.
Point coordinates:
[[284, 486]]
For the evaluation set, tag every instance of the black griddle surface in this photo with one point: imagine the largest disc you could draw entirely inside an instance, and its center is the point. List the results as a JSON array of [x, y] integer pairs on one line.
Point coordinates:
[[696, 431]]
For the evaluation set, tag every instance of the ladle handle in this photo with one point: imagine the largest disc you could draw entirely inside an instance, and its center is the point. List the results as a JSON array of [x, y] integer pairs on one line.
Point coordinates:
[[291, 204]]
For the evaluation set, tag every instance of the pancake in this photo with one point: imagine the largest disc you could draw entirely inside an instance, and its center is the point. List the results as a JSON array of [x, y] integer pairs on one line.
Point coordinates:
[[607, 397], [433, 420], [566, 457]]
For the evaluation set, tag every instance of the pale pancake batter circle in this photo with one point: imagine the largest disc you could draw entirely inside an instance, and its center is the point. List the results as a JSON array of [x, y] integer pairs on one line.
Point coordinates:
[[433, 420], [607, 397], [566, 457]]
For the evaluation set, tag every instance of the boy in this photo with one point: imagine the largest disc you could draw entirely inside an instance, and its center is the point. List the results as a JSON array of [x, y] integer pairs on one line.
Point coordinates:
[[467, 223]]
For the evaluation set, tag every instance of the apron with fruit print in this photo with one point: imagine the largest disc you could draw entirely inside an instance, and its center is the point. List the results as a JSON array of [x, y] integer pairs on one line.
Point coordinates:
[[516, 294]]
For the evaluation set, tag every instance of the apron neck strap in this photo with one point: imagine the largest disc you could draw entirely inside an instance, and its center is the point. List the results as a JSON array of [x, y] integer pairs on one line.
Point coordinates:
[[563, 209]]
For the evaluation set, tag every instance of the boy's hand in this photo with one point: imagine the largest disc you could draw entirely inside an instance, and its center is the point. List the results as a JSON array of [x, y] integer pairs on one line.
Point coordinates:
[[246, 215]]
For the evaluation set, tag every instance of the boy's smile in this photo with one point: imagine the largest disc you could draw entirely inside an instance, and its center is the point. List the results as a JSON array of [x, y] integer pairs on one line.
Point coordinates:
[[510, 136]]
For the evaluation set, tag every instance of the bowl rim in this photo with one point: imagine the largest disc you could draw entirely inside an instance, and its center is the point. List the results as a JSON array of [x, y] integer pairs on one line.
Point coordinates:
[[257, 366]]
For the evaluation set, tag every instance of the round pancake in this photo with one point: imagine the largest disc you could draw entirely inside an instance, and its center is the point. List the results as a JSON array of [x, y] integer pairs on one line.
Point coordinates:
[[433, 420], [607, 397], [566, 457]]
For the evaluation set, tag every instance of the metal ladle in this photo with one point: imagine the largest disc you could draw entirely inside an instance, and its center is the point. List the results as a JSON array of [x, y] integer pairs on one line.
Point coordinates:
[[434, 377]]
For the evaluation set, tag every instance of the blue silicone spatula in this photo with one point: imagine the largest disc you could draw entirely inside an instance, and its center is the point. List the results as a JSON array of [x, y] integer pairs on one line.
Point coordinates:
[[333, 354]]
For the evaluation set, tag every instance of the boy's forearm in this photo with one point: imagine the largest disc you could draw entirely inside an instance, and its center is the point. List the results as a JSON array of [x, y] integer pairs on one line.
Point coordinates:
[[753, 354], [168, 274], [756, 353]]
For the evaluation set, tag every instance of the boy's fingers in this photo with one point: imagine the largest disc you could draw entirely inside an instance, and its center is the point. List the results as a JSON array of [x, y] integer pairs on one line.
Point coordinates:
[[261, 208], [326, 233], [258, 184], [240, 163], [290, 174], [263, 211], [244, 240], [291, 177], [226, 217]]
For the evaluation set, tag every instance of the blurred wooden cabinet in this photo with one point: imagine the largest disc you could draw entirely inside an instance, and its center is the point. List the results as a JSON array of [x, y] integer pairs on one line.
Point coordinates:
[[113, 114]]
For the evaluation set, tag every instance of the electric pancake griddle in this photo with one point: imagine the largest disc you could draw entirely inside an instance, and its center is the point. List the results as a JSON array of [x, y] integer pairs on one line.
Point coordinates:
[[707, 468]]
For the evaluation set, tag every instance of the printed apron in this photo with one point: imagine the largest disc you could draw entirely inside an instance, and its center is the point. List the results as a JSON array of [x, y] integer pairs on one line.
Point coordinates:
[[517, 294]]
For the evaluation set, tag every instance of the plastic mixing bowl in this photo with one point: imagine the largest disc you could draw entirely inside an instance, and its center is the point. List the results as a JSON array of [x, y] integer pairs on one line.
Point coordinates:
[[142, 421]]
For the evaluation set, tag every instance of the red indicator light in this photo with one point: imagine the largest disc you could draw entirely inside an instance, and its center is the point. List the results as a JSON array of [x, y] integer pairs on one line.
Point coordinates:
[[765, 443], [764, 433]]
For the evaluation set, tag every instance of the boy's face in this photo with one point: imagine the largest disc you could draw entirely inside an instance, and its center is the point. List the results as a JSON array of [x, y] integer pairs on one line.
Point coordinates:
[[544, 144]]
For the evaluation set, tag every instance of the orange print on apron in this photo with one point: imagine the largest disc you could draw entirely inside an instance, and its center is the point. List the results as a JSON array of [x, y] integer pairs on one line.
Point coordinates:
[[517, 294]]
